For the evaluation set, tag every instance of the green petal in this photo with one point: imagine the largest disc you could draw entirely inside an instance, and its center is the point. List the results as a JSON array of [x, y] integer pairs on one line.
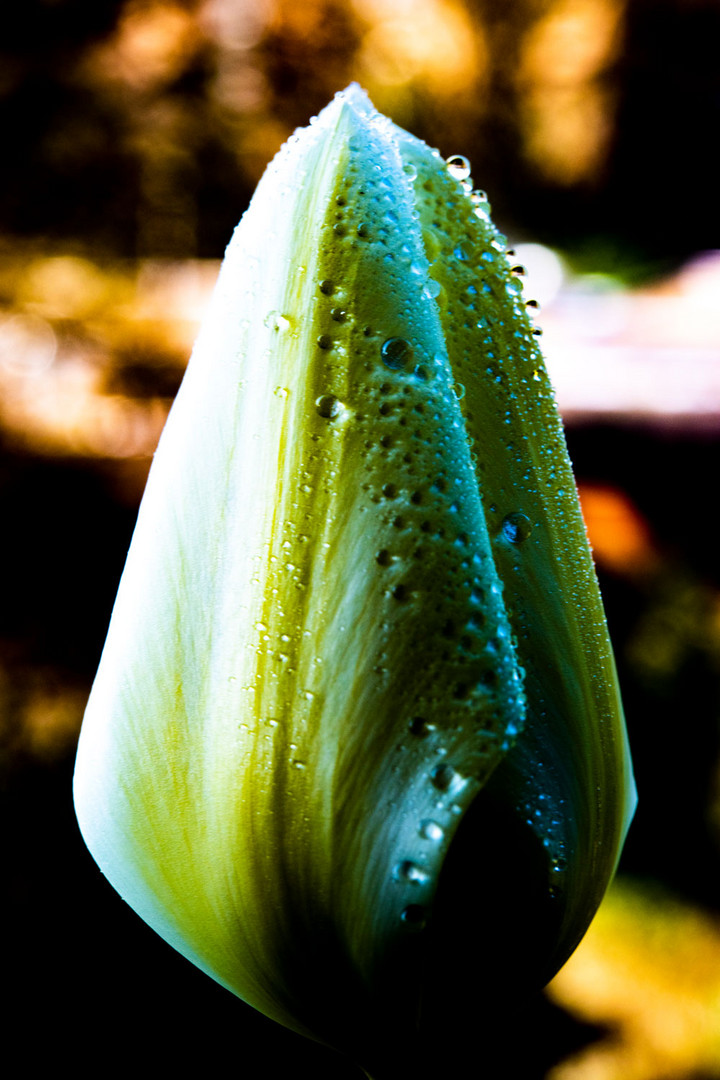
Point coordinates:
[[317, 655]]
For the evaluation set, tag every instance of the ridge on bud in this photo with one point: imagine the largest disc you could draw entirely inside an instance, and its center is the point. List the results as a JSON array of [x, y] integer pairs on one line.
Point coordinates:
[[359, 620]]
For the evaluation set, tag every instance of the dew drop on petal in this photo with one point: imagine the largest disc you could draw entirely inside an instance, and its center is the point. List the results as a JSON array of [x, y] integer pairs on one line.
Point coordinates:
[[516, 527], [430, 830], [396, 353], [458, 166], [275, 321], [420, 727], [410, 872], [328, 406], [443, 776], [414, 916]]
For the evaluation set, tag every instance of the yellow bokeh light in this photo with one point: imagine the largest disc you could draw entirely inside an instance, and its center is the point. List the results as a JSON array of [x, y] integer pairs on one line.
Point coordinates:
[[566, 112], [429, 40], [649, 967], [150, 47], [572, 43]]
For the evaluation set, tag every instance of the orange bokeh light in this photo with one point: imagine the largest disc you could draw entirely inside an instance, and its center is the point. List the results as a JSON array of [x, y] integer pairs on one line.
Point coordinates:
[[619, 535]]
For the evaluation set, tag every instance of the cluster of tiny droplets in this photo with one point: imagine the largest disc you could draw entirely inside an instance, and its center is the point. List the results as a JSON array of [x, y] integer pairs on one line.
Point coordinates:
[[398, 357], [411, 380]]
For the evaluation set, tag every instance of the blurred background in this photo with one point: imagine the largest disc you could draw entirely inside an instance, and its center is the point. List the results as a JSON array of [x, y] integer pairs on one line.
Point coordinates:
[[133, 133]]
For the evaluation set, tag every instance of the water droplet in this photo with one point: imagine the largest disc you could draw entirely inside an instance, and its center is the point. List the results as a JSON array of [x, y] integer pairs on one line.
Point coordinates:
[[414, 917], [518, 270], [328, 406], [432, 288], [410, 170], [275, 321], [390, 491], [383, 557], [458, 166], [339, 229], [325, 341], [419, 726], [444, 776], [363, 229], [460, 253], [396, 353], [516, 527], [410, 872], [430, 830], [327, 287], [338, 314]]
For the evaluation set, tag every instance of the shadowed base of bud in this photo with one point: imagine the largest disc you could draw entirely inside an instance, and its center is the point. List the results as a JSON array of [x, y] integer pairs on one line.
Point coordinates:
[[484, 957], [525, 1042]]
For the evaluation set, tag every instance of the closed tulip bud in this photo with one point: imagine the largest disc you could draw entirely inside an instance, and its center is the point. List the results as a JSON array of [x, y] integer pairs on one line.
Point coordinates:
[[355, 746]]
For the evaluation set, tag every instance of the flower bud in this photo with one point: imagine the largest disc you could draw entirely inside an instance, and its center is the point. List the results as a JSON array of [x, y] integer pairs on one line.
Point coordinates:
[[356, 735]]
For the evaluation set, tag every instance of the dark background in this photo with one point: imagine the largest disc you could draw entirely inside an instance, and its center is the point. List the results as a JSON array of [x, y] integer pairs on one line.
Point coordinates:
[[133, 133]]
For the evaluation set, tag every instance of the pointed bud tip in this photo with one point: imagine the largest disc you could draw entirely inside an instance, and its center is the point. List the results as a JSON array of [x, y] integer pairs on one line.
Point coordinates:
[[353, 100], [357, 98]]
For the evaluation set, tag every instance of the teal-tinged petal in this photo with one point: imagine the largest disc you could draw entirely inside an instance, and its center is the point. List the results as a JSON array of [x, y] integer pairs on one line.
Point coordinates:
[[334, 645], [570, 775]]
